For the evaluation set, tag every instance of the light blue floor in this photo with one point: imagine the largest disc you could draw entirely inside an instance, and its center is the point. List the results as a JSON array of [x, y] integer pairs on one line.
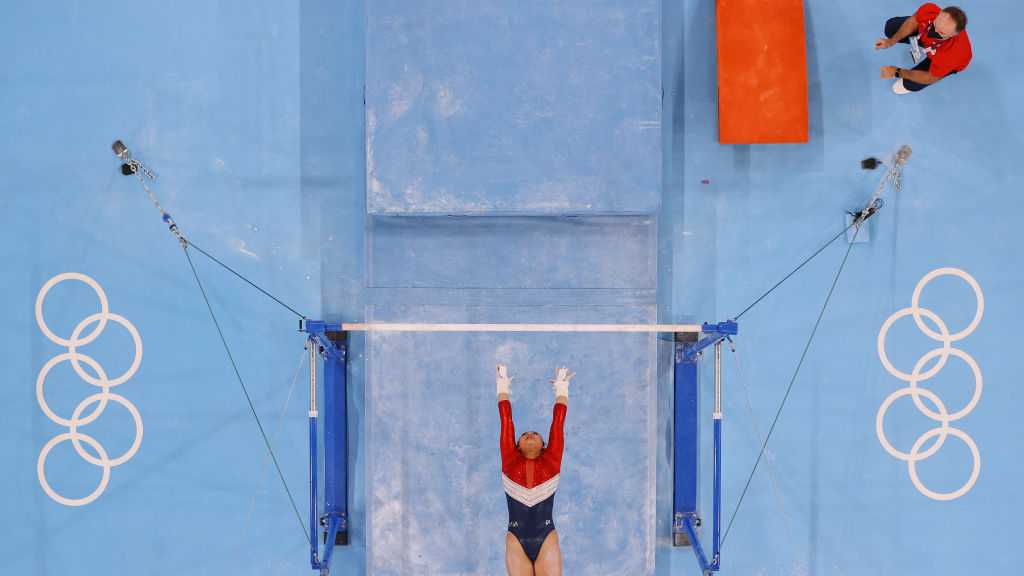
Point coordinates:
[[495, 161]]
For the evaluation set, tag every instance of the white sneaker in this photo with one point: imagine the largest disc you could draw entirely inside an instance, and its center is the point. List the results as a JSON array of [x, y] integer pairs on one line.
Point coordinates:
[[898, 87], [916, 52]]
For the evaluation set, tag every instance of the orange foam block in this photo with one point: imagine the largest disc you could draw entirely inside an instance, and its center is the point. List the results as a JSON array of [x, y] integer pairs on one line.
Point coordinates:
[[762, 72]]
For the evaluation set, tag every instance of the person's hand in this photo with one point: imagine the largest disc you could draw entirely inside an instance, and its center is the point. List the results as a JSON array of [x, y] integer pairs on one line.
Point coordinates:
[[561, 382], [883, 43], [888, 72], [502, 380]]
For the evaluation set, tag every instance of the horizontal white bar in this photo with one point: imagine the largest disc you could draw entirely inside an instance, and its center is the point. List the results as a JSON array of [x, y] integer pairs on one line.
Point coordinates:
[[417, 327]]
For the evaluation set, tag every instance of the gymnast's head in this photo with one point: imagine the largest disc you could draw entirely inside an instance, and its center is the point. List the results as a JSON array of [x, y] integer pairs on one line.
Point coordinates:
[[530, 444]]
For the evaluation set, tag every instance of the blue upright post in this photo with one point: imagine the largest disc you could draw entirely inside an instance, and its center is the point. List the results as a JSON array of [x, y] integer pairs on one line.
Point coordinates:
[[686, 440], [314, 515], [336, 438], [717, 417], [327, 341], [686, 436]]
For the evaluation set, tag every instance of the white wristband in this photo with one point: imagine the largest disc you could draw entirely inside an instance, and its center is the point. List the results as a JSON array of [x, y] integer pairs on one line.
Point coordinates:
[[561, 382], [561, 388], [504, 383]]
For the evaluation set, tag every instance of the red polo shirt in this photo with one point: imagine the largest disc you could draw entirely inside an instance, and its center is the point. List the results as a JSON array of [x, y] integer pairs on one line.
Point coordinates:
[[948, 55]]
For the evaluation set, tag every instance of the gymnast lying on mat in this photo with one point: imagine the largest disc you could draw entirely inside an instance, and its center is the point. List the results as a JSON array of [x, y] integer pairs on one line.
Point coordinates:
[[530, 473]]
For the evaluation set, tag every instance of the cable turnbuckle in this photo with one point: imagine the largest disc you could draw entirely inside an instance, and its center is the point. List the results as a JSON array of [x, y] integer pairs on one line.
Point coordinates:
[[173, 227], [870, 210]]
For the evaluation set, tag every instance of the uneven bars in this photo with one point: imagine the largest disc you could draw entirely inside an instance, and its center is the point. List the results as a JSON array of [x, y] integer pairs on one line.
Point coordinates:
[[420, 327]]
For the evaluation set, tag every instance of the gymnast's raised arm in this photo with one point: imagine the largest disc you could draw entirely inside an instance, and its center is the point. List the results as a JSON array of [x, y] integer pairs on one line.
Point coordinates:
[[507, 437], [556, 436]]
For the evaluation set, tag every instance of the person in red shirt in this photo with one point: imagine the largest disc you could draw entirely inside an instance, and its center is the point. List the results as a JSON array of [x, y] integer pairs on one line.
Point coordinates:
[[530, 473], [939, 45]]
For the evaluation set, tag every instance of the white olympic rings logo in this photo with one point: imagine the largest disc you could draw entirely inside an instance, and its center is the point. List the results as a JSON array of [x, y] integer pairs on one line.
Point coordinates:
[[942, 415], [76, 358]]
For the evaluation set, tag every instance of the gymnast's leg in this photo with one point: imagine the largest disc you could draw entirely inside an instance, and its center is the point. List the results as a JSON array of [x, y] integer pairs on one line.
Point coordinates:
[[515, 558], [549, 561]]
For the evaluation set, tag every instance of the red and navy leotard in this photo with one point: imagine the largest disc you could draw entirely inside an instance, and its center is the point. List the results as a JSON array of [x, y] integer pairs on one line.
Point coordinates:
[[530, 484]]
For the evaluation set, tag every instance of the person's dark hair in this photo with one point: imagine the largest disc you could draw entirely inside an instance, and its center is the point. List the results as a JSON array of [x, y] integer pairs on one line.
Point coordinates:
[[542, 443], [958, 15]]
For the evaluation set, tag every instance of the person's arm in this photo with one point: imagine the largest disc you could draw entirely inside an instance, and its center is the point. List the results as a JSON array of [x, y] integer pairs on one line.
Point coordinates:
[[908, 28], [507, 436], [919, 76], [556, 437]]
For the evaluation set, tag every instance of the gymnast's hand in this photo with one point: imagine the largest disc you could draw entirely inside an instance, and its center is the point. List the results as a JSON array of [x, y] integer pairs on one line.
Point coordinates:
[[561, 382], [503, 381], [883, 44]]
